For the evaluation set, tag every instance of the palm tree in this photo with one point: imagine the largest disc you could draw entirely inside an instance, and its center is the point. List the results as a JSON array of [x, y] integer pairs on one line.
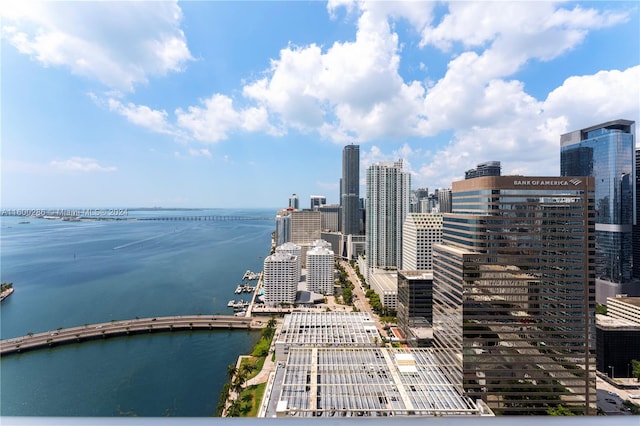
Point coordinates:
[[272, 323], [231, 371]]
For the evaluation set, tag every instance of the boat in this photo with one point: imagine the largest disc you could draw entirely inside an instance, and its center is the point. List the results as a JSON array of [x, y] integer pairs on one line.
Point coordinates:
[[231, 303]]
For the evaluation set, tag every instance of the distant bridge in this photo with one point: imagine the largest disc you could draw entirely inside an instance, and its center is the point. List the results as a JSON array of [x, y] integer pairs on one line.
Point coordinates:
[[214, 218], [103, 330]]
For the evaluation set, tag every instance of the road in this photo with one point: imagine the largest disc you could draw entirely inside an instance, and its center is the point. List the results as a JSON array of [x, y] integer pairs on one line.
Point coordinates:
[[126, 327]]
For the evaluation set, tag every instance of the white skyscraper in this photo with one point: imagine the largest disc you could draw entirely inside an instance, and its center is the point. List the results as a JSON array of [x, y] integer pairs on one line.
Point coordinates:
[[419, 233], [280, 281], [295, 250], [387, 206], [320, 268]]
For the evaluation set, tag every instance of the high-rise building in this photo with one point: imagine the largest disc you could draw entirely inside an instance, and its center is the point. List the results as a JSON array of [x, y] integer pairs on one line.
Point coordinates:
[[387, 207], [305, 226], [350, 189], [415, 306], [279, 279], [514, 292], [330, 217], [636, 223], [320, 263], [489, 168], [294, 202], [294, 249], [317, 201], [444, 200], [282, 227], [419, 233], [607, 152]]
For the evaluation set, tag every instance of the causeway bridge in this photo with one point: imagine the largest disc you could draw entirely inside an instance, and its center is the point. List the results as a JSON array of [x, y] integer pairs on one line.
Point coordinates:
[[208, 218], [103, 330]]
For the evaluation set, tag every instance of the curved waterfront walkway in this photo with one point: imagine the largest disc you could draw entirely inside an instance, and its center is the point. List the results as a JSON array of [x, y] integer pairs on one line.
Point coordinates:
[[126, 327]]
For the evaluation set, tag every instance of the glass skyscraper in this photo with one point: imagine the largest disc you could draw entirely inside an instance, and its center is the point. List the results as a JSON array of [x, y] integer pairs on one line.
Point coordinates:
[[350, 190], [607, 152], [514, 293]]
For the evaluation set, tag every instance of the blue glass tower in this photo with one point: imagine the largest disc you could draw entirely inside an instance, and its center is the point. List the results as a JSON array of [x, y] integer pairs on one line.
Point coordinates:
[[607, 152]]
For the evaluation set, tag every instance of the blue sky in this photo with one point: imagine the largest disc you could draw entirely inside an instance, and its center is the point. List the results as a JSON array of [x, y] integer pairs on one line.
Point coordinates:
[[241, 104]]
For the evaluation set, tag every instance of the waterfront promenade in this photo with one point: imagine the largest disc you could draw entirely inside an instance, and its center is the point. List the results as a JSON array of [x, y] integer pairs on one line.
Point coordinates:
[[126, 327]]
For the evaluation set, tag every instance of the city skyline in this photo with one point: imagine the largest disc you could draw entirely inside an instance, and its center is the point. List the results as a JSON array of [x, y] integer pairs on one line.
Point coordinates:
[[226, 105]]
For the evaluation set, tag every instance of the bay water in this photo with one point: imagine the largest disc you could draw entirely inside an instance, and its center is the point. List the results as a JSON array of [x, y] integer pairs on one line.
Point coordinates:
[[74, 273]]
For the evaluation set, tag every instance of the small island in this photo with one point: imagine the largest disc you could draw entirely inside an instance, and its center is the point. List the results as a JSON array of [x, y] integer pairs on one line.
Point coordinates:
[[6, 289]]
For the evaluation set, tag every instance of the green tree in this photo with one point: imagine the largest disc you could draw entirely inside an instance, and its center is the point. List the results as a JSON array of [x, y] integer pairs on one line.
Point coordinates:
[[635, 372], [601, 309], [231, 371], [560, 410]]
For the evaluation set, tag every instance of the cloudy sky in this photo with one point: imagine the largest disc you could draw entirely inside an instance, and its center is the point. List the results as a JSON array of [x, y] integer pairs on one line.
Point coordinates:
[[240, 104]]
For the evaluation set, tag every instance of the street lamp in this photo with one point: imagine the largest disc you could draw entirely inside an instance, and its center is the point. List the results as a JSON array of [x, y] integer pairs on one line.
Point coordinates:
[[612, 371]]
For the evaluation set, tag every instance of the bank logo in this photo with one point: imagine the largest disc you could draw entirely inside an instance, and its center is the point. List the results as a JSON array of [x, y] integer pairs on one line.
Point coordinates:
[[575, 182]]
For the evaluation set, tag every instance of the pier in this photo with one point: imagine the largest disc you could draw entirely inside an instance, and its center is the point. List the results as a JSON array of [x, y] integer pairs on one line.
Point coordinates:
[[103, 330]]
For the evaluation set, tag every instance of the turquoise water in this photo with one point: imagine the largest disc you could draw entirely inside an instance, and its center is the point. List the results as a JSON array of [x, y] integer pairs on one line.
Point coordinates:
[[74, 273]]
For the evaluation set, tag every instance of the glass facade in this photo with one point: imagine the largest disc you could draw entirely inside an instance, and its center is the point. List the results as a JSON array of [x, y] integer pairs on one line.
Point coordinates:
[[514, 293], [607, 152], [350, 190]]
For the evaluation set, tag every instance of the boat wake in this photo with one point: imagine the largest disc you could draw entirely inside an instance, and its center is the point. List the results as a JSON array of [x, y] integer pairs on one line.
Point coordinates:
[[133, 243]]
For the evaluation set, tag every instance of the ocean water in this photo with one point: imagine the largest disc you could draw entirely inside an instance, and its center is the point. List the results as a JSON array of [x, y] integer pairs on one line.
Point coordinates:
[[75, 273]]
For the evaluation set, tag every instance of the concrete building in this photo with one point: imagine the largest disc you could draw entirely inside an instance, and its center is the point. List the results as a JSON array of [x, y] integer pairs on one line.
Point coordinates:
[[330, 217], [514, 292], [350, 190], [420, 232], [305, 226], [627, 308], [330, 365], [320, 266], [444, 200], [607, 152], [385, 284], [280, 280], [295, 250], [315, 329], [387, 207]]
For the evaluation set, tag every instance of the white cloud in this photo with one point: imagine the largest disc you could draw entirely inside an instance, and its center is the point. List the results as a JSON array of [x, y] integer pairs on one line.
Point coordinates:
[[120, 44], [203, 152], [143, 116], [81, 164]]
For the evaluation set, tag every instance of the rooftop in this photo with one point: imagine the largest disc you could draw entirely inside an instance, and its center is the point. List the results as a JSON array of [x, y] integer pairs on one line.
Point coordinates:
[[367, 382]]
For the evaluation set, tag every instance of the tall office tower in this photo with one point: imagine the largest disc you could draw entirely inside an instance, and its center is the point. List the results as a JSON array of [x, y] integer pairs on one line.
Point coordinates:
[[279, 279], [514, 292], [607, 152], [636, 223], [317, 201], [305, 227], [387, 207], [330, 217], [419, 233], [294, 202], [320, 262], [282, 227], [350, 190], [295, 250], [444, 200], [489, 168]]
